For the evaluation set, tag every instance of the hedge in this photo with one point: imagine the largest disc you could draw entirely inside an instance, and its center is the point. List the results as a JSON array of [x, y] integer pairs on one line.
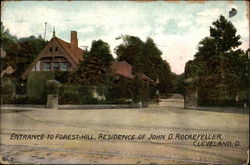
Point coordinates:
[[117, 90], [36, 84], [76, 94], [8, 88]]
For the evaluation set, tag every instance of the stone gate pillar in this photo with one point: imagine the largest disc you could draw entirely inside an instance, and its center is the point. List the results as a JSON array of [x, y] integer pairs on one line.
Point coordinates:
[[190, 82], [52, 94], [191, 94]]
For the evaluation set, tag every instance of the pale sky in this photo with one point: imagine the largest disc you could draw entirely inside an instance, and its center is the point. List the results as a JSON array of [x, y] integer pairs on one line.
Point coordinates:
[[175, 27]]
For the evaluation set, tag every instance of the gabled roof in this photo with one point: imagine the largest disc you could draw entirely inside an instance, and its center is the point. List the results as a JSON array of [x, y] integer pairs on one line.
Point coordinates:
[[75, 54]]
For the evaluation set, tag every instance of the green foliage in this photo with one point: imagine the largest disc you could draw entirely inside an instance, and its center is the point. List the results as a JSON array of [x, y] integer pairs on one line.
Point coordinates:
[[52, 87], [178, 83], [36, 84], [19, 53], [63, 76], [76, 94], [219, 69], [145, 57], [140, 90], [8, 96], [223, 34], [118, 87], [28, 50], [7, 86], [96, 65], [5, 35], [7, 89], [22, 99]]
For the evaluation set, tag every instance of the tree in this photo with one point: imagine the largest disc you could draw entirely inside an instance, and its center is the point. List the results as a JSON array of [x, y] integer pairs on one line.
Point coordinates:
[[131, 51], [19, 52], [178, 83], [29, 48], [9, 45], [221, 68], [95, 67], [145, 57], [224, 35]]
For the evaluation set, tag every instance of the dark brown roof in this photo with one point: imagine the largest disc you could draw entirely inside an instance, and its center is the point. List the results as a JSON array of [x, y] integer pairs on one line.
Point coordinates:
[[144, 77], [76, 54], [122, 68]]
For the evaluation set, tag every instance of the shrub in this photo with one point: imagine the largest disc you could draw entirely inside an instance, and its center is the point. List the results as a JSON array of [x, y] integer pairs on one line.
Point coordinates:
[[52, 87], [7, 89], [22, 99], [76, 94], [7, 86], [36, 84], [62, 77]]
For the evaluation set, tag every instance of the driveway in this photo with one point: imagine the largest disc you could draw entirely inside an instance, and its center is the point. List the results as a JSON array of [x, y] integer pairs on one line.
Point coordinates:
[[105, 135]]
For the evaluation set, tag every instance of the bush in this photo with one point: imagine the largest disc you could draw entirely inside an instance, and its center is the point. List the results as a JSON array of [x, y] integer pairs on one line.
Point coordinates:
[[76, 94], [7, 89], [117, 90], [52, 87], [7, 86], [36, 84], [228, 100], [62, 77], [22, 99]]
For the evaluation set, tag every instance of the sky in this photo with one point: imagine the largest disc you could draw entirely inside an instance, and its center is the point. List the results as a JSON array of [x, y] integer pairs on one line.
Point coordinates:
[[176, 28]]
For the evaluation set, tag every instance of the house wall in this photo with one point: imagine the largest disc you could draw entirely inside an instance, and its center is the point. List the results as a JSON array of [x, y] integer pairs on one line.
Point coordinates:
[[57, 59]]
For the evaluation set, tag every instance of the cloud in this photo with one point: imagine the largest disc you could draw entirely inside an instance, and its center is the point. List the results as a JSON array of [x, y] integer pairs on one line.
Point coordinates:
[[184, 23], [210, 12], [206, 17]]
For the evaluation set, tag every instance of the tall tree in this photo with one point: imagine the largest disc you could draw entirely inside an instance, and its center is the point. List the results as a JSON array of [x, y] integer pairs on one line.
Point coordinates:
[[221, 68], [145, 57], [96, 64], [29, 48], [19, 52]]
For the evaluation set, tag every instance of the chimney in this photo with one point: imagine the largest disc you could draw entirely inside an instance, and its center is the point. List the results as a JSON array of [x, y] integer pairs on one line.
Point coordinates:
[[74, 40]]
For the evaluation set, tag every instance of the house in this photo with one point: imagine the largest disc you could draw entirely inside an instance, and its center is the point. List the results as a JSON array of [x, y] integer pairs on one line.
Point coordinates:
[[59, 55]]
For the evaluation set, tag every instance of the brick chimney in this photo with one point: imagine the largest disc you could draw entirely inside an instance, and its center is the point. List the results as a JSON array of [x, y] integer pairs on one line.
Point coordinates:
[[74, 40]]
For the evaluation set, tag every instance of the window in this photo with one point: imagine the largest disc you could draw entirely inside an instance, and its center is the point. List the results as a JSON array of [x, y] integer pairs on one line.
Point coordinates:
[[47, 66], [56, 49], [56, 66], [50, 49], [64, 66]]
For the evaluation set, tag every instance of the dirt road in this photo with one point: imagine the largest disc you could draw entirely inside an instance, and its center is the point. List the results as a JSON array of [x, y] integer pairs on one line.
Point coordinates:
[[161, 121]]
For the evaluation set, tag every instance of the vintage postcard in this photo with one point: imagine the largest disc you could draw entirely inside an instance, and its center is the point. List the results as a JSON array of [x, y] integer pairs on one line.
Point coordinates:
[[125, 82]]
